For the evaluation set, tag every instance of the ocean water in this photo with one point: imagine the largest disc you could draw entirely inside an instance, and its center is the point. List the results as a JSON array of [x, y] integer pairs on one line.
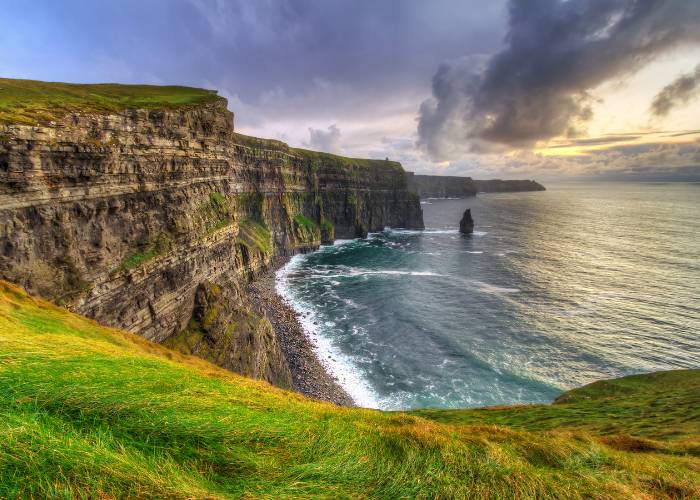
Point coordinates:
[[554, 290]]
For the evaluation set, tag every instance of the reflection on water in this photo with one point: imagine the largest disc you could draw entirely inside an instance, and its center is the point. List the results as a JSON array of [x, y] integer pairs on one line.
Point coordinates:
[[554, 290]]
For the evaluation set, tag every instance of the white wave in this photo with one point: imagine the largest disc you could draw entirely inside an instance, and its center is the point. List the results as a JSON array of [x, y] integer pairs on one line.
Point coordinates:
[[338, 243], [336, 362], [350, 272], [429, 230], [399, 231], [473, 251]]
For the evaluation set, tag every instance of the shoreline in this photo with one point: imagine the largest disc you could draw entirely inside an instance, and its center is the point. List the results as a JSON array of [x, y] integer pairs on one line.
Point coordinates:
[[309, 376]]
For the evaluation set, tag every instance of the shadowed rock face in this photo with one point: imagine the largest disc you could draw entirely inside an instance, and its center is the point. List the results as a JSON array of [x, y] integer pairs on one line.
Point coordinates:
[[466, 225], [125, 217]]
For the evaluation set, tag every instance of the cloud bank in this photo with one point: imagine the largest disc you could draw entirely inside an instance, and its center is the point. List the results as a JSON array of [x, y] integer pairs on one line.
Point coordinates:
[[539, 86]]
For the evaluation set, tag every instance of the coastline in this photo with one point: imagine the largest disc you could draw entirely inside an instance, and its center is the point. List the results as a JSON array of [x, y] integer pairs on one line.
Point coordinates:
[[309, 376]]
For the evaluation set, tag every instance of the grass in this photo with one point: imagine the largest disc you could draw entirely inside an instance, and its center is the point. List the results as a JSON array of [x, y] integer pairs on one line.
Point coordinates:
[[304, 221], [29, 102], [91, 412], [308, 231], [327, 230], [256, 234], [661, 405], [135, 259], [153, 249], [315, 158], [215, 213]]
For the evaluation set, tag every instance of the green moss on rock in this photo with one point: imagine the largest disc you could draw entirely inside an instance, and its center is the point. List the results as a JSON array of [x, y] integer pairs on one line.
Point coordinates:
[[151, 250], [256, 234]]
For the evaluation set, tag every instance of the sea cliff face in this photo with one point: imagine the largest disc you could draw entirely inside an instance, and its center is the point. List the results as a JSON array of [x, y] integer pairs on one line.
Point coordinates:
[[447, 186], [441, 186], [508, 186], [154, 220]]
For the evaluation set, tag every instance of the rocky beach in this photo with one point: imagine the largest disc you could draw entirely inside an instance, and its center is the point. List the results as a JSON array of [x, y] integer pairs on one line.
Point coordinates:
[[309, 376]]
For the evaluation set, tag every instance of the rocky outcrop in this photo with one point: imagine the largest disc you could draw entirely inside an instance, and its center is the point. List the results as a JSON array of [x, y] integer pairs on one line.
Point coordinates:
[[446, 186], [152, 221], [466, 225]]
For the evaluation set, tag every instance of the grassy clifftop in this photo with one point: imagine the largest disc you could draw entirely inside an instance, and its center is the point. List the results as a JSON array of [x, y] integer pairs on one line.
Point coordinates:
[[88, 411], [29, 102], [312, 158]]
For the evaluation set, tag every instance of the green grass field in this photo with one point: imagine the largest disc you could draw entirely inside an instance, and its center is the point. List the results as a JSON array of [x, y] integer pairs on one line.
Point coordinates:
[[91, 412], [29, 102]]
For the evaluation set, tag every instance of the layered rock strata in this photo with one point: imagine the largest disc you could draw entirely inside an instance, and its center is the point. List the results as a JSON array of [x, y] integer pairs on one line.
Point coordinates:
[[153, 221]]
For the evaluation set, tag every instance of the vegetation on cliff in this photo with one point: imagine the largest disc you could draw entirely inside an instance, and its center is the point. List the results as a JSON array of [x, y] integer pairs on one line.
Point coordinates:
[[88, 411], [29, 102]]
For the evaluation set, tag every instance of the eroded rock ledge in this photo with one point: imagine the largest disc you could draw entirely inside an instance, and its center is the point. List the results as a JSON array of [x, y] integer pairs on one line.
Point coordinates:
[[153, 221]]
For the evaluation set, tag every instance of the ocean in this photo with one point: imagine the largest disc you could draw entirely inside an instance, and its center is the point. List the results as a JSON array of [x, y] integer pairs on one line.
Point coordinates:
[[553, 290]]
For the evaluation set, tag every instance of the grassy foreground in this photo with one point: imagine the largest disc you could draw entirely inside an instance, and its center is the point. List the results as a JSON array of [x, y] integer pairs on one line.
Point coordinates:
[[87, 411], [28, 102]]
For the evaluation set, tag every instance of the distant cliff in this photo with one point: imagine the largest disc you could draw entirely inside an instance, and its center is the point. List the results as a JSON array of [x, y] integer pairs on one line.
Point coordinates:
[[446, 186], [441, 186], [507, 186], [153, 219]]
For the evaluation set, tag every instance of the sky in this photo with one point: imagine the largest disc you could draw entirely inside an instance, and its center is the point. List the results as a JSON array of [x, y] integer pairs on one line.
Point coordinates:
[[545, 89]]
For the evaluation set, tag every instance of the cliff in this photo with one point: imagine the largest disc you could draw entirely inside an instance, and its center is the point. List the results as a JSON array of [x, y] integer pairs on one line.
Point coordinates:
[[441, 186], [507, 186], [153, 218], [446, 186], [91, 412]]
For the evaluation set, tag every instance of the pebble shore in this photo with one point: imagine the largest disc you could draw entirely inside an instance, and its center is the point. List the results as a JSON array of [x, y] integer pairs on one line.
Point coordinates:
[[309, 375]]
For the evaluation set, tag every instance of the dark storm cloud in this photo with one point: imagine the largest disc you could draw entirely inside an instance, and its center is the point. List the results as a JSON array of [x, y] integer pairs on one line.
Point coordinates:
[[680, 91], [282, 58], [538, 86]]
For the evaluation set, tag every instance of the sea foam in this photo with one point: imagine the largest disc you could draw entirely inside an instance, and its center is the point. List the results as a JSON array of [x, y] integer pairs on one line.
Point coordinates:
[[335, 361]]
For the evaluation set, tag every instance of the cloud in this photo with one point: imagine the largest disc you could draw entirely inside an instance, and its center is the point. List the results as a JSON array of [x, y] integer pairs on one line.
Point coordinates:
[[539, 86], [598, 141], [325, 140], [680, 91]]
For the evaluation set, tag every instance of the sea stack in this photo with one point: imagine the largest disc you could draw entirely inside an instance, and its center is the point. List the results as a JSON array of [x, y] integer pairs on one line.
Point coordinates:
[[466, 225]]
